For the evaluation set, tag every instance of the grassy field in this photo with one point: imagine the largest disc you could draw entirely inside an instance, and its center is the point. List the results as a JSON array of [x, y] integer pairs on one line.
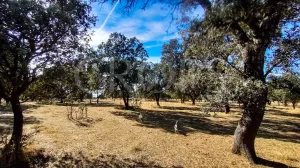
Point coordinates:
[[114, 137]]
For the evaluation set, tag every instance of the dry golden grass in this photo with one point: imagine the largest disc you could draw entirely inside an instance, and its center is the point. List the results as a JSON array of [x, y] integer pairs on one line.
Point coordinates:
[[115, 137]]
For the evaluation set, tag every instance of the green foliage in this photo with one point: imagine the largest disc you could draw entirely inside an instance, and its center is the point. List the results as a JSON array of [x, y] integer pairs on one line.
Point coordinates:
[[34, 34], [196, 83], [125, 57], [285, 88], [173, 62], [96, 69], [172, 57], [58, 82], [151, 79], [231, 32]]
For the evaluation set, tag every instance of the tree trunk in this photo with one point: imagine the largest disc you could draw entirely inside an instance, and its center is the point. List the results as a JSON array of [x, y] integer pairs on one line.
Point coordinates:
[[294, 104], [13, 150], [97, 97], [61, 100], [182, 98], [18, 128], [245, 133], [157, 96], [285, 103], [193, 100], [227, 108], [81, 98], [254, 105], [125, 99]]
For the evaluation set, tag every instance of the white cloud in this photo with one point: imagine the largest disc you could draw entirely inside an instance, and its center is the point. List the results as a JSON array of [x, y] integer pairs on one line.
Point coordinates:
[[148, 25]]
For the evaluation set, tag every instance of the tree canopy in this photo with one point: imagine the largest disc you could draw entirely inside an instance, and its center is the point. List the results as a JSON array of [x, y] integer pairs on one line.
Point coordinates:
[[125, 56], [34, 35]]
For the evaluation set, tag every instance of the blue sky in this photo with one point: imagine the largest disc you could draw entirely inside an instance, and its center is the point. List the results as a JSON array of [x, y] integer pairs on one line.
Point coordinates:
[[151, 26]]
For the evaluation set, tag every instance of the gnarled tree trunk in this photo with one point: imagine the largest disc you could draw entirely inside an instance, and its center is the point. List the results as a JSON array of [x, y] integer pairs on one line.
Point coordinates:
[[254, 106]]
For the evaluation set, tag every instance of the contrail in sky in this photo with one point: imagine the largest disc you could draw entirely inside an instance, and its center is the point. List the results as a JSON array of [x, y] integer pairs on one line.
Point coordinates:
[[107, 17]]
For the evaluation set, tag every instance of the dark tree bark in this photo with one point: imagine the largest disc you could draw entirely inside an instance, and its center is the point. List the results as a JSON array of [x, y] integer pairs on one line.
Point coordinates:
[[126, 102], [97, 97], [157, 97], [254, 107], [18, 128], [13, 150], [193, 100], [125, 96], [227, 108], [61, 100], [294, 104]]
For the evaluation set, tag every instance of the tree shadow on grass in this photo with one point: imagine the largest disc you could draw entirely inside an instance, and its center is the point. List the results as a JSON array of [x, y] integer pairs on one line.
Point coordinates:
[[100, 104], [196, 108], [40, 159], [282, 113], [194, 123], [6, 126], [269, 163], [281, 129], [104, 104], [187, 122], [26, 108], [85, 122], [7, 119]]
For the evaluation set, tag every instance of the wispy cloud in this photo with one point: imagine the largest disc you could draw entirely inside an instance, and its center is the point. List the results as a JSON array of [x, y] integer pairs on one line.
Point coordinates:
[[107, 17], [149, 25]]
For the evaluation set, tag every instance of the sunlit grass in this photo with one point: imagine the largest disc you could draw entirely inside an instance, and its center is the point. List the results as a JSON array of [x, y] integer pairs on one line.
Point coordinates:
[[118, 133]]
